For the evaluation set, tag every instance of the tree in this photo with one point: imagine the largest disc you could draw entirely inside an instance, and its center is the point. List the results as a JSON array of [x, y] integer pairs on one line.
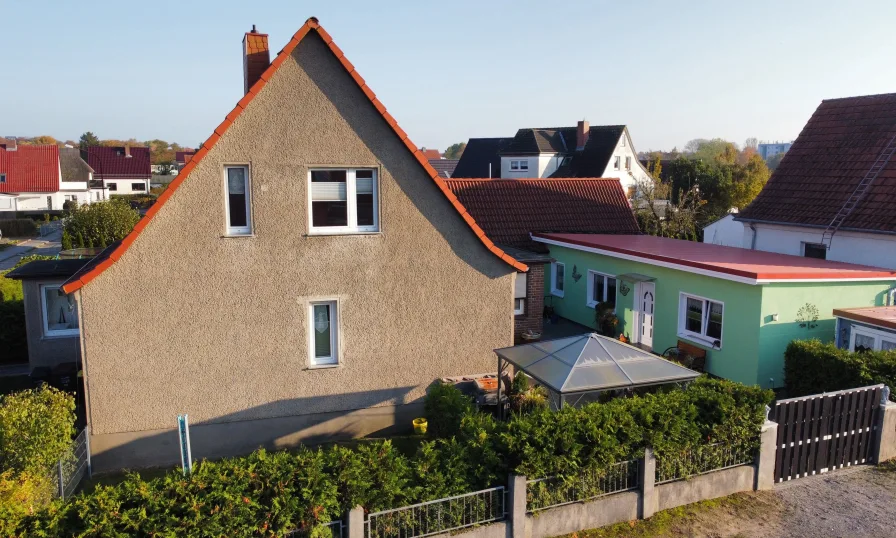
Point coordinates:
[[752, 143], [747, 182], [101, 223], [454, 151], [88, 139], [716, 150], [659, 215]]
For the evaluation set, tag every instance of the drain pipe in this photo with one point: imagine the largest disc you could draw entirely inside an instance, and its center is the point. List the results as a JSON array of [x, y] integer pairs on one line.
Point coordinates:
[[753, 239]]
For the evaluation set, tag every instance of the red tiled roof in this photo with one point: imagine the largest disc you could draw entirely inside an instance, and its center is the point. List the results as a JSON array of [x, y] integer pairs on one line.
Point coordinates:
[[740, 262], [30, 169], [827, 161], [431, 154], [310, 25], [180, 157], [111, 163], [509, 209]]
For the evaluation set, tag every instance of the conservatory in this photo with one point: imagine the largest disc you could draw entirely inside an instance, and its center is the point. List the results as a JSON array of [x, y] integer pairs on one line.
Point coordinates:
[[581, 369]]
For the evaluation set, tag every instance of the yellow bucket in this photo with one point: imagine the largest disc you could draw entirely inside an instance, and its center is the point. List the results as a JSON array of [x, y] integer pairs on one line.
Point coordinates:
[[420, 425]]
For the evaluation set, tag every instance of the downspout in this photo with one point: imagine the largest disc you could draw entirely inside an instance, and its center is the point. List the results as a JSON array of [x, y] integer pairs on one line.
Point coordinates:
[[753, 239]]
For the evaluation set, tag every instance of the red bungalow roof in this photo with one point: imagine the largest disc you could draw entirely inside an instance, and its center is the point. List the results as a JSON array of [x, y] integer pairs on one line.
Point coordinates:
[[30, 169]]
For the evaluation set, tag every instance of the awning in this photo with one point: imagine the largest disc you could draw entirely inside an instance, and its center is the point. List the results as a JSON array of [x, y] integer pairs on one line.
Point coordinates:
[[591, 362], [635, 277]]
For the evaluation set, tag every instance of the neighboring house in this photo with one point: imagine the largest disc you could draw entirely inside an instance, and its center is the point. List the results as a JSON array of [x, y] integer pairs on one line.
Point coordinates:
[[725, 231], [75, 170], [581, 151], [181, 158], [51, 317], [122, 170], [832, 195], [742, 307], [444, 167], [430, 154], [306, 276], [508, 210], [767, 150], [870, 328], [31, 179], [481, 158]]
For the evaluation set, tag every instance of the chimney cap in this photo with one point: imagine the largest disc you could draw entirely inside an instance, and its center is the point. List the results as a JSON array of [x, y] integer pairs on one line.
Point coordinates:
[[313, 19]]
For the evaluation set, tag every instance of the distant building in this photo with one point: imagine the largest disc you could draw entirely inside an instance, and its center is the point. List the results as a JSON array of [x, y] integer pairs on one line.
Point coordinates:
[[122, 170], [769, 150], [41, 178]]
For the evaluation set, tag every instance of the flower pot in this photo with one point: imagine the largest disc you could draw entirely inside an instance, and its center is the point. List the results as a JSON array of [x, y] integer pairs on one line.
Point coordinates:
[[420, 425]]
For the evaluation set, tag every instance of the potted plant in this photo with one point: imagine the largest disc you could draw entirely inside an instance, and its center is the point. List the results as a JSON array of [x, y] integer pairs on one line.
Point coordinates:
[[605, 319]]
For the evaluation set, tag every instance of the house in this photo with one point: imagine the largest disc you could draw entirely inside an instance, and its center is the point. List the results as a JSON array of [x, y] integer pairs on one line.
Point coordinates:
[[725, 231], [122, 170], [306, 276], [430, 154], [767, 150], [51, 317], [481, 158], [832, 195], [508, 210], [181, 158], [741, 307], [75, 170], [580, 151], [444, 167], [866, 328], [32, 178]]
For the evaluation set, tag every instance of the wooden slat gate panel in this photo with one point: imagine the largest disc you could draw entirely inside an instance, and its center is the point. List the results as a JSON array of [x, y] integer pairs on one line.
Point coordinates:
[[823, 432]]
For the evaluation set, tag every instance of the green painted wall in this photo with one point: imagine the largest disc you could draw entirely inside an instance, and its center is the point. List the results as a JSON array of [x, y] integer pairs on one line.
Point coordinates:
[[739, 357], [785, 299]]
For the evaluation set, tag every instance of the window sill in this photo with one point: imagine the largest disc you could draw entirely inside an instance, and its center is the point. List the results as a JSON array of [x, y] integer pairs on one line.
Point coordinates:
[[700, 340], [59, 336], [556, 293], [330, 234], [322, 366], [237, 236]]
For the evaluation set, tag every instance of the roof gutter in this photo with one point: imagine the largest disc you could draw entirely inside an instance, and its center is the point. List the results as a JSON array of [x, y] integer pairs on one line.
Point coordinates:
[[818, 226]]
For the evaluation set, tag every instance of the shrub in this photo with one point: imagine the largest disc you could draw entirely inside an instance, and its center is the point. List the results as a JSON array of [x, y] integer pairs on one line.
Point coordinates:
[[101, 223], [18, 227], [36, 429], [67, 243], [21, 494], [137, 201], [444, 407], [812, 367]]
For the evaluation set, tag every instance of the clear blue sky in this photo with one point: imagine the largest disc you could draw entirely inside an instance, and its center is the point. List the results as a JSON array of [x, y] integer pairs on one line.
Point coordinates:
[[448, 71]]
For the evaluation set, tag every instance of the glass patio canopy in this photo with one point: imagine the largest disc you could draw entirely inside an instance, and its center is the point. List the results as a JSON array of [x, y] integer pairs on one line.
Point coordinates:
[[590, 363]]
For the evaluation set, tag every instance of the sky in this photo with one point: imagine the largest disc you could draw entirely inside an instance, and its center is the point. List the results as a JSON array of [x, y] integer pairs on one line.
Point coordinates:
[[447, 71]]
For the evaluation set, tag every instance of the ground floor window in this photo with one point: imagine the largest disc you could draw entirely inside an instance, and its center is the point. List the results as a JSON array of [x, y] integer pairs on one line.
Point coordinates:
[[138, 187], [113, 186], [59, 312], [815, 250], [867, 339], [519, 307], [324, 333], [601, 289], [700, 318], [558, 273]]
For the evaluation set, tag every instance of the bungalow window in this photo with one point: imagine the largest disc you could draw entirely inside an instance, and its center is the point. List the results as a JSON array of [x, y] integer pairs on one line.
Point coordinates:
[[616, 162], [113, 186], [519, 307], [866, 339], [519, 165], [558, 272], [59, 312], [237, 200], [815, 250], [138, 187], [601, 289], [344, 201], [324, 334], [700, 319]]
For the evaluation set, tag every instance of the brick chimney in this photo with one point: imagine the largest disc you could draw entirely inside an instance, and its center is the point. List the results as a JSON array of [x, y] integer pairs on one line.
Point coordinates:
[[127, 151], [256, 57], [581, 135], [9, 143]]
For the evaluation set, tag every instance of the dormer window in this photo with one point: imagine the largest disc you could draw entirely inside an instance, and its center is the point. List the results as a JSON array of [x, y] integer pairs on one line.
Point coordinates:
[[519, 165]]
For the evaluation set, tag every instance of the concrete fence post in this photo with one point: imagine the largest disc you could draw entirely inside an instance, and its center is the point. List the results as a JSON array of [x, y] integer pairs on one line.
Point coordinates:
[[355, 523], [516, 511], [648, 484], [765, 461], [885, 442]]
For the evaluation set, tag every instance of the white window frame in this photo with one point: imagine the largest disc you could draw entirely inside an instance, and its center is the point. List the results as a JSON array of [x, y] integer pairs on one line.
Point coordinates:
[[519, 306], [351, 195], [558, 292], [589, 301], [870, 333], [237, 231], [45, 315], [333, 360], [519, 165], [617, 162], [112, 186], [682, 320]]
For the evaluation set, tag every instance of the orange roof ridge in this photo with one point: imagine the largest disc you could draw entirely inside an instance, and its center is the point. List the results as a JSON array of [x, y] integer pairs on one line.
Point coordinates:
[[539, 179], [310, 24]]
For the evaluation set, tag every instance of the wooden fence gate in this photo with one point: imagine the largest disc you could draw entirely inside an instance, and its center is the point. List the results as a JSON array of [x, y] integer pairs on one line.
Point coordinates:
[[823, 432]]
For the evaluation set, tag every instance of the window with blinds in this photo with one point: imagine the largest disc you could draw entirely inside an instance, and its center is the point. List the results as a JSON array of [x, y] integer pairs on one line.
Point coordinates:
[[343, 201], [237, 178]]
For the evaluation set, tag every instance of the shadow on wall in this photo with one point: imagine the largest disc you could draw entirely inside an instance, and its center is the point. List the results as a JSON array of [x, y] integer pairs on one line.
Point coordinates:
[[343, 92], [235, 434]]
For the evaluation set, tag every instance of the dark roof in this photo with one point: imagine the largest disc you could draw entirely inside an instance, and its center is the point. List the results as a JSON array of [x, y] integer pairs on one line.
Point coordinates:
[[479, 153], [47, 269], [111, 162], [509, 209], [73, 166], [180, 157], [445, 167], [30, 169], [542, 140], [836, 148], [86, 268], [592, 161]]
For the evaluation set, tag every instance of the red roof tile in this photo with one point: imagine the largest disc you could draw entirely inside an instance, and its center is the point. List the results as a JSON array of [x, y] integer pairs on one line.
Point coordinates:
[[180, 157], [740, 262], [111, 162], [827, 161], [310, 24], [30, 169], [431, 153], [509, 209]]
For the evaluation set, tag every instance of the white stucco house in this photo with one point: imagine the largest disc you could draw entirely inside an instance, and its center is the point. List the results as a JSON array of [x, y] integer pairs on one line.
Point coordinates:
[[122, 170], [41, 178], [725, 231]]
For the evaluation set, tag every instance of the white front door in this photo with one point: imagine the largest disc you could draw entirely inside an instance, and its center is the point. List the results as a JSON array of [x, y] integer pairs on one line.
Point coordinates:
[[645, 305]]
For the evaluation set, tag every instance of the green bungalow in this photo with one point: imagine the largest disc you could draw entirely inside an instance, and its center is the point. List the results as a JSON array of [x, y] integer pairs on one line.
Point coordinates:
[[742, 306]]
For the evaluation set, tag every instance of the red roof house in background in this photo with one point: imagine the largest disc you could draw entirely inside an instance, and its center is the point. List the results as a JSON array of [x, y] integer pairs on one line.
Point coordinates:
[[181, 158], [31, 179], [123, 170]]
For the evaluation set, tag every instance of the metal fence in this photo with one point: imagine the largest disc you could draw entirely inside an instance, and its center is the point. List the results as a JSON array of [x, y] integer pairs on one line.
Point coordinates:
[[72, 467], [545, 493], [47, 229], [441, 515], [333, 530], [702, 459]]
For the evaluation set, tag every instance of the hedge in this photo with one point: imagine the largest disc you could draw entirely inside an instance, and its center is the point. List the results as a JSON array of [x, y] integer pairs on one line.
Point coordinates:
[[18, 227], [268, 494], [813, 367], [100, 224]]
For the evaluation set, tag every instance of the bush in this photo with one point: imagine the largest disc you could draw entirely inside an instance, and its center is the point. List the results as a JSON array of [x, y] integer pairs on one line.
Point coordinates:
[[136, 201], [36, 429], [101, 223], [444, 407], [21, 494], [813, 367], [18, 227], [67, 243]]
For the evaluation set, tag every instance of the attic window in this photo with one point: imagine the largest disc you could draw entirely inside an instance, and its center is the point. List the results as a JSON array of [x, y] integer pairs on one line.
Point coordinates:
[[343, 201], [2, 178]]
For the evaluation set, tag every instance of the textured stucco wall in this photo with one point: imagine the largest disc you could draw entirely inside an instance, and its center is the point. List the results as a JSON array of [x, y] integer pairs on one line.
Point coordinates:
[[190, 322], [44, 351]]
